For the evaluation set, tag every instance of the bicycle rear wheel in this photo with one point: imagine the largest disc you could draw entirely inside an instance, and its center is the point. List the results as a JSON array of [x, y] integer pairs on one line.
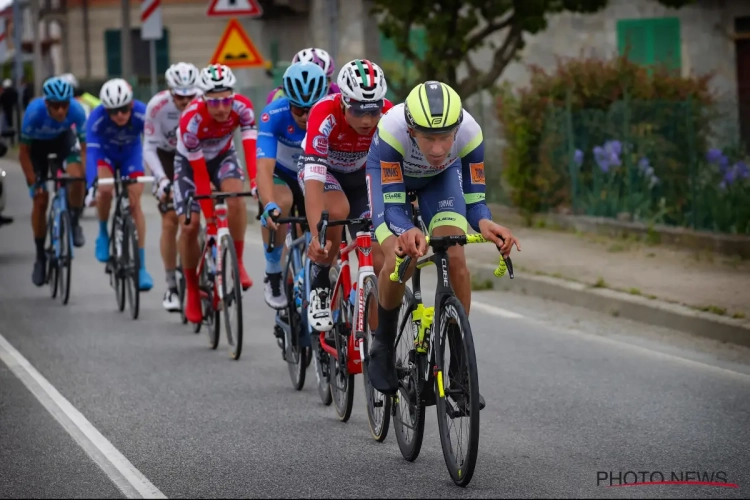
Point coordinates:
[[181, 288], [232, 296], [65, 259], [459, 398], [378, 404], [295, 354], [342, 382], [408, 405], [52, 277], [118, 259], [132, 263]]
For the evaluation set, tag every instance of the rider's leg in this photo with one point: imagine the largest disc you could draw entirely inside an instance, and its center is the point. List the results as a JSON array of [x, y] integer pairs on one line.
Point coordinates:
[[135, 191], [103, 203], [168, 246], [273, 291], [182, 186], [76, 195], [39, 220]]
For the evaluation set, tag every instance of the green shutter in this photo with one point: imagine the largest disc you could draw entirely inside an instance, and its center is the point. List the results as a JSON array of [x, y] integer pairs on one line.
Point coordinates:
[[112, 53], [651, 41], [162, 53], [667, 47], [633, 38]]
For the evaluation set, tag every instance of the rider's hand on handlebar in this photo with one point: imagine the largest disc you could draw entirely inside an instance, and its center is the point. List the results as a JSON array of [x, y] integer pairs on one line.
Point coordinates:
[[161, 191], [266, 218], [413, 243], [254, 188], [499, 235], [315, 252]]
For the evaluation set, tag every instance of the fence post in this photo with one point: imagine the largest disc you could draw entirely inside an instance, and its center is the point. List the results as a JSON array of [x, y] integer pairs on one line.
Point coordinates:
[[571, 144], [692, 162]]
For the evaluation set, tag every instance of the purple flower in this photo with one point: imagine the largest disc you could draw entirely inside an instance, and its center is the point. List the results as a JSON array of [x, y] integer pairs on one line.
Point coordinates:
[[578, 157], [713, 156], [602, 158], [643, 164], [741, 170], [614, 147]]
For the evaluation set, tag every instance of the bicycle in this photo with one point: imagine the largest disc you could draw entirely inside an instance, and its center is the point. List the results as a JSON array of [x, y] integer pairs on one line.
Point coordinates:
[[216, 295], [124, 261], [290, 325], [60, 232], [351, 306], [421, 371]]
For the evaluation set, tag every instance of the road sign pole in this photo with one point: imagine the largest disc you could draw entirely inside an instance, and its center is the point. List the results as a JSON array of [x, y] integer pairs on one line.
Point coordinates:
[[151, 30], [152, 57]]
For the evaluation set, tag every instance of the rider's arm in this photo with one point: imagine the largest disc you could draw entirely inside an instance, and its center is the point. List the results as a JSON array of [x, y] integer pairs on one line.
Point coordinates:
[[79, 120], [396, 208], [314, 160], [266, 155], [151, 141], [24, 152], [192, 145], [472, 172], [93, 143], [249, 138]]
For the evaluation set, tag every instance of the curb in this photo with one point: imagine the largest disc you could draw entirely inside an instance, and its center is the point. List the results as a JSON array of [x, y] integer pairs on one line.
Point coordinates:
[[657, 313]]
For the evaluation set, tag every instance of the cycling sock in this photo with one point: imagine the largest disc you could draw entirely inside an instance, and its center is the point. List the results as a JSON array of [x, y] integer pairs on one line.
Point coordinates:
[[387, 323], [273, 260], [103, 228], [40, 253], [239, 247], [171, 279], [75, 215], [142, 257], [320, 277]]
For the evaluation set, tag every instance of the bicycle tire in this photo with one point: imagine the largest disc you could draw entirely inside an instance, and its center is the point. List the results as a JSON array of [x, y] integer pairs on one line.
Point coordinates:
[[322, 363], [373, 399], [116, 262], [64, 261], [297, 362], [460, 473], [132, 268], [210, 317], [181, 284], [410, 448], [52, 278], [338, 371], [232, 296]]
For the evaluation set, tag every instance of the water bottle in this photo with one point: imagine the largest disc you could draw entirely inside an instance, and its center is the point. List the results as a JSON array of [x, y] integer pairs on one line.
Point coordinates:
[[299, 286]]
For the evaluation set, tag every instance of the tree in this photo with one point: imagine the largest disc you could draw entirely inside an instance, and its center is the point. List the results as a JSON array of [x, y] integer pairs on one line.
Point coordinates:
[[456, 28]]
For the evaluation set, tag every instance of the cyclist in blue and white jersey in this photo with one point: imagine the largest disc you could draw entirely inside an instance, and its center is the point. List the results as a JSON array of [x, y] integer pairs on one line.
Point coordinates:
[[52, 124], [281, 130], [113, 133]]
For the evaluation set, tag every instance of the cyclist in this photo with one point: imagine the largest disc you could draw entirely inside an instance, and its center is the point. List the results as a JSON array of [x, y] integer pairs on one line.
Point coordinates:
[[205, 155], [85, 99], [280, 133], [313, 55], [335, 152], [160, 131], [431, 145], [52, 124], [113, 131]]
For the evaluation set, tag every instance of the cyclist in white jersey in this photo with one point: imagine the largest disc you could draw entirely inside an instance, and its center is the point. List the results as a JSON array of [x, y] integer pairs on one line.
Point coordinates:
[[160, 130]]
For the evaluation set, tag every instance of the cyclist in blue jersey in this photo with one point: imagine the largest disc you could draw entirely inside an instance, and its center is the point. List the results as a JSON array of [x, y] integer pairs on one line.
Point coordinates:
[[113, 133], [281, 130], [52, 124]]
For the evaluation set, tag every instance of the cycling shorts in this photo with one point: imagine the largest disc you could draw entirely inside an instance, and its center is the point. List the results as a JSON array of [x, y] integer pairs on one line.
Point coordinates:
[[441, 199], [354, 186], [283, 178], [127, 159], [225, 166], [65, 146]]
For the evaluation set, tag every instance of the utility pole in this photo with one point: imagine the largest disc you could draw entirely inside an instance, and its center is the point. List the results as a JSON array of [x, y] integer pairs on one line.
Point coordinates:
[[126, 45], [18, 55], [38, 64]]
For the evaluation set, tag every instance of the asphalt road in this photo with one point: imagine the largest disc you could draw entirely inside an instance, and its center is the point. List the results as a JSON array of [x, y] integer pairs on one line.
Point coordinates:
[[569, 394]]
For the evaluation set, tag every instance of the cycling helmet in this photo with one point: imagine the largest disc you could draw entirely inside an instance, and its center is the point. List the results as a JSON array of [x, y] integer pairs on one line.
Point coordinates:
[[433, 107], [216, 78], [362, 80], [317, 56], [182, 78], [116, 93], [304, 84], [72, 80], [57, 89]]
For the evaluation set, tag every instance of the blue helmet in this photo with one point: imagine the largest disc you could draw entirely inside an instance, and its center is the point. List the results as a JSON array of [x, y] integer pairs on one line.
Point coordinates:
[[57, 89], [305, 84]]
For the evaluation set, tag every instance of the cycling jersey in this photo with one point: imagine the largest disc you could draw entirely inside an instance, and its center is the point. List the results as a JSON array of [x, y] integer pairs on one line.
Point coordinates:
[[38, 125], [452, 193], [206, 144], [331, 143], [89, 100], [112, 146], [160, 131], [279, 136], [279, 92]]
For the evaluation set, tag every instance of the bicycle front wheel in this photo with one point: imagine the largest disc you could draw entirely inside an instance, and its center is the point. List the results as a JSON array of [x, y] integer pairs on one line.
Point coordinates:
[[295, 354], [231, 290], [181, 289], [132, 263], [118, 261], [342, 382], [458, 399], [64, 260], [52, 277], [378, 404]]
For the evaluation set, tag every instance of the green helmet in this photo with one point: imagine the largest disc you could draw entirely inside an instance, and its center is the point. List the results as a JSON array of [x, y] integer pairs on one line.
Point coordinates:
[[433, 107]]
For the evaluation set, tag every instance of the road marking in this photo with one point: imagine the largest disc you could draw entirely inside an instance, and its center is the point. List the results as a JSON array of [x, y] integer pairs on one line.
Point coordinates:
[[496, 311], [123, 474]]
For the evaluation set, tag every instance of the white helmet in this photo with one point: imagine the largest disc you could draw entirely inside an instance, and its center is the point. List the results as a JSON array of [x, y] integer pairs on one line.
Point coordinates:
[[70, 78], [362, 81], [116, 93], [182, 78], [216, 78], [317, 56]]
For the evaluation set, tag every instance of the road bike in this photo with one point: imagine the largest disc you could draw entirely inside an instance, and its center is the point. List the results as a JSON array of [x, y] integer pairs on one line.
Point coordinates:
[[217, 264], [60, 232], [352, 304], [290, 325], [124, 261], [425, 335]]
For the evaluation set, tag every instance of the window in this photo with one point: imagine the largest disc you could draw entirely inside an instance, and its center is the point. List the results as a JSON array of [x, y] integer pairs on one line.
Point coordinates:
[[651, 41], [141, 53]]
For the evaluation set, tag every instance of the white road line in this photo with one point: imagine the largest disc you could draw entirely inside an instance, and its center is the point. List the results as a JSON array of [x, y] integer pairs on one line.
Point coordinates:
[[123, 474], [496, 311]]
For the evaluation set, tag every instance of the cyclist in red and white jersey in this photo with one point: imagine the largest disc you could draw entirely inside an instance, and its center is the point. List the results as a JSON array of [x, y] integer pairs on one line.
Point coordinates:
[[339, 131], [206, 155]]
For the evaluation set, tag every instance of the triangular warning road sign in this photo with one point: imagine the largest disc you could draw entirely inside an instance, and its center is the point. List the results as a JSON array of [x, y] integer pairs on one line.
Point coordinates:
[[235, 8], [235, 48]]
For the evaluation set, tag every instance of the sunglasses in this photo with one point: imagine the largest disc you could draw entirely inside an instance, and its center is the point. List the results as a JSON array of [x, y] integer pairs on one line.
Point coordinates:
[[124, 110], [215, 102], [58, 104], [297, 111], [183, 98], [360, 113]]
